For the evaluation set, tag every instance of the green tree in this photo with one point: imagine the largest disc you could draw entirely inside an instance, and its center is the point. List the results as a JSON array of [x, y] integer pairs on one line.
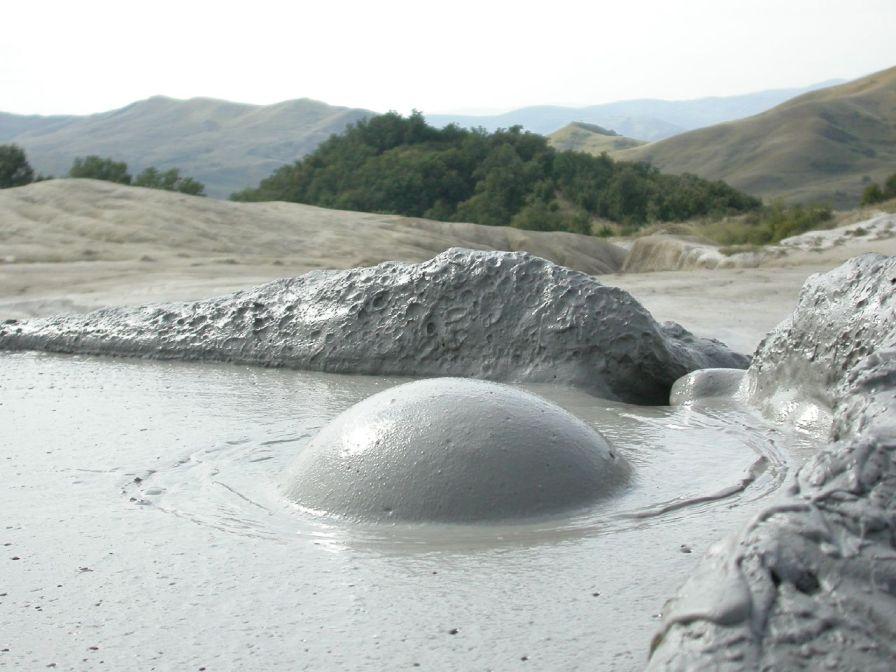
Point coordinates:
[[626, 197], [15, 171], [392, 164], [504, 180], [98, 168], [169, 180], [872, 194]]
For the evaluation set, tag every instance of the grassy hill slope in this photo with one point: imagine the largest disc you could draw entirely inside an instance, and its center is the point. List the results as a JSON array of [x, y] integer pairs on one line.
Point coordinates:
[[227, 146], [590, 138], [821, 146]]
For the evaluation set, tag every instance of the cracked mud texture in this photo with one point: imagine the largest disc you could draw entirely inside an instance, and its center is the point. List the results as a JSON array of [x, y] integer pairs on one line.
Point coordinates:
[[505, 316], [811, 582]]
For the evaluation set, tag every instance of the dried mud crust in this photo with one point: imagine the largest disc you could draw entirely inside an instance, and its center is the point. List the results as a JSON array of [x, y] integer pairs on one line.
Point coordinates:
[[811, 582], [506, 316]]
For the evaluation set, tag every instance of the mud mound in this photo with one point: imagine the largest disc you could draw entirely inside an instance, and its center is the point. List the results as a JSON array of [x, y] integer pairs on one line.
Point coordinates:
[[453, 450], [490, 315], [811, 582]]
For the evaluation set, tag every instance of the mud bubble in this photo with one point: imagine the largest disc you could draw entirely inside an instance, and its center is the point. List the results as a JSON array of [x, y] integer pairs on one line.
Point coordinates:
[[453, 450]]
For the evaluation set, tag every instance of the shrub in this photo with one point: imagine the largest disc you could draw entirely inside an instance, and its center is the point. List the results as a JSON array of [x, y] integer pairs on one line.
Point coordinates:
[[98, 168], [872, 194], [768, 225], [783, 222], [875, 194], [169, 180], [890, 186], [15, 171]]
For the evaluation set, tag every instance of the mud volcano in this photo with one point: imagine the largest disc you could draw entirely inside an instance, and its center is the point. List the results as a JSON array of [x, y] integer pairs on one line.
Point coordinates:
[[453, 450]]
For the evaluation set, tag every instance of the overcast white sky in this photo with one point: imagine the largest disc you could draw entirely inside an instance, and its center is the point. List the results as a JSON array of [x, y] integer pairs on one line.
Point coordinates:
[[87, 56]]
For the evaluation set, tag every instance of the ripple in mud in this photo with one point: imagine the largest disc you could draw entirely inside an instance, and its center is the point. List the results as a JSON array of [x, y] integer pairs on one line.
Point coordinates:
[[163, 479], [685, 461]]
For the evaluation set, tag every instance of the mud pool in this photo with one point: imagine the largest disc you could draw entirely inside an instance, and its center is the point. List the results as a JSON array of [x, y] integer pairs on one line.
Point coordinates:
[[143, 524]]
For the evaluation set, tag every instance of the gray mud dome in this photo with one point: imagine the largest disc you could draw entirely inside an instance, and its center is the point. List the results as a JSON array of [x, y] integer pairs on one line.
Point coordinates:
[[811, 582], [492, 315], [453, 450]]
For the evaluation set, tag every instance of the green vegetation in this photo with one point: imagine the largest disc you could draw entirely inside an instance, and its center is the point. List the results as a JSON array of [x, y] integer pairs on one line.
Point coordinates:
[[780, 221], [874, 193], [765, 226], [169, 180], [15, 171], [393, 164], [98, 168]]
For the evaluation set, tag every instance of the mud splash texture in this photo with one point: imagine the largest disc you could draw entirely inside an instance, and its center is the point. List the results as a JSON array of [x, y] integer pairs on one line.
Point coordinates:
[[505, 316], [811, 582]]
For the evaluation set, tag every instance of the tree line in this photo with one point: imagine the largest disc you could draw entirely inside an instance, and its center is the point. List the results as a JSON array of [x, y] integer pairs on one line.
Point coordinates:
[[16, 171], [401, 165]]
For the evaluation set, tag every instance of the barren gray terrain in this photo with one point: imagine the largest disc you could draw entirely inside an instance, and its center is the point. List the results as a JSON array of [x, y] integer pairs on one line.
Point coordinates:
[[789, 462], [77, 245]]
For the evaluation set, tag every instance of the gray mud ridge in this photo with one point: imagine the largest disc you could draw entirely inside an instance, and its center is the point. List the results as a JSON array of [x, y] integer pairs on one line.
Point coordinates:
[[811, 582], [505, 316]]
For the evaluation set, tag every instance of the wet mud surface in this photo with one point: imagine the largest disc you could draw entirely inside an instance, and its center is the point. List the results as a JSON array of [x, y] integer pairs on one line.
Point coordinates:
[[144, 525], [810, 583]]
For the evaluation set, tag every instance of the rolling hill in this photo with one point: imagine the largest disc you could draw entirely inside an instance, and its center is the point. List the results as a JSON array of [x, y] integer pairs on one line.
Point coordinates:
[[230, 146], [227, 146], [822, 146], [646, 119], [591, 138]]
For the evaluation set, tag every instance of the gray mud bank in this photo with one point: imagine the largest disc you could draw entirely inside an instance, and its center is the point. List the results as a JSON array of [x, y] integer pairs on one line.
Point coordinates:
[[809, 583], [493, 315]]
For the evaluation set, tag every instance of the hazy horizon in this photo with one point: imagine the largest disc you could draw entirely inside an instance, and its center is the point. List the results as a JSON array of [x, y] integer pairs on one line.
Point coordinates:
[[461, 58], [460, 111]]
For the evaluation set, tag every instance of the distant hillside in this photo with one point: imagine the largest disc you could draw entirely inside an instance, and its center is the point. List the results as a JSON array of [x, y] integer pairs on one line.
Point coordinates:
[[821, 146], [590, 138], [392, 164], [647, 119], [545, 119], [227, 146]]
